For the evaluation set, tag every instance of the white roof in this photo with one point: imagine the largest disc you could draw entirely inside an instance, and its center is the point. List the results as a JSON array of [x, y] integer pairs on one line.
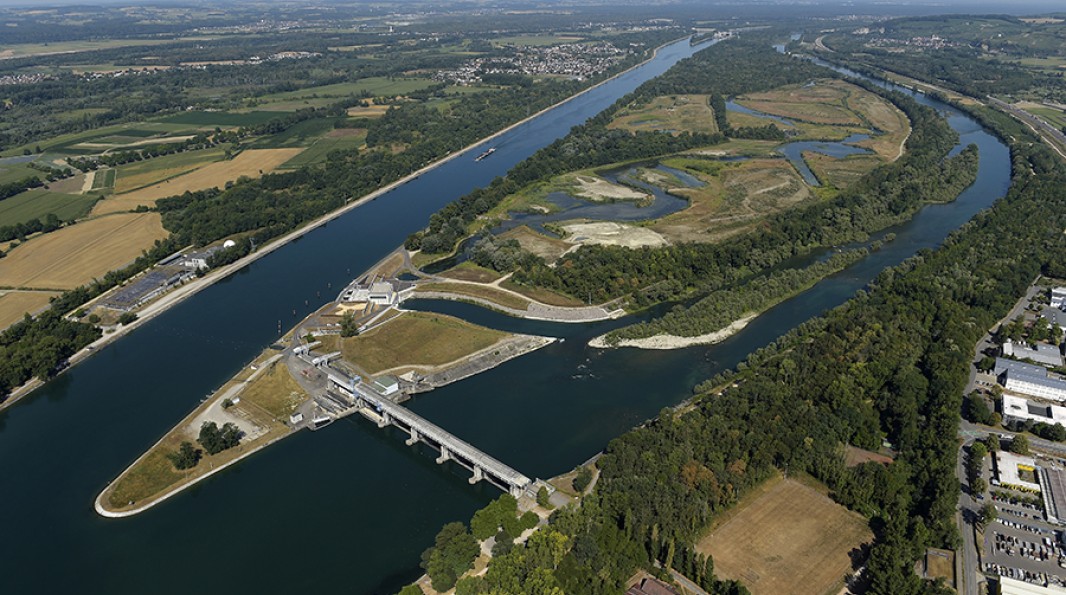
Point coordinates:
[[1009, 586], [381, 287], [1007, 464], [1020, 408]]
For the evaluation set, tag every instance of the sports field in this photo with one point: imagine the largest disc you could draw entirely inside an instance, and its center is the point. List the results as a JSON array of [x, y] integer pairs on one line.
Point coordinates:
[[787, 537], [74, 255], [14, 304], [252, 163]]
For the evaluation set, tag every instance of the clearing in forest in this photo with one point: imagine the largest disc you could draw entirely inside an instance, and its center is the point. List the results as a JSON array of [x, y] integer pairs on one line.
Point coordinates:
[[75, 255], [787, 537], [251, 163], [670, 113]]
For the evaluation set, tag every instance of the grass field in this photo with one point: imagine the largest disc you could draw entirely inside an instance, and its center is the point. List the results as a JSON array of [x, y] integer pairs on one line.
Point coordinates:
[[36, 203], [268, 395], [195, 118], [484, 292], [377, 86], [14, 304], [786, 537], [417, 339], [468, 271], [544, 296], [547, 248], [74, 255], [17, 171], [840, 173], [736, 196], [251, 163], [139, 174], [536, 40], [341, 139], [822, 103], [675, 113]]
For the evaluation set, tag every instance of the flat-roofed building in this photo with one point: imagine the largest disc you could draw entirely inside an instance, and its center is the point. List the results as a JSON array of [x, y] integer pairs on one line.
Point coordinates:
[[1053, 491], [1009, 470], [1004, 365], [1020, 409], [1055, 317], [1010, 586]]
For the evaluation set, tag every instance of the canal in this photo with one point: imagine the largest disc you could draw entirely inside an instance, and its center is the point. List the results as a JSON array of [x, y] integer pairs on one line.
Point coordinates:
[[349, 509]]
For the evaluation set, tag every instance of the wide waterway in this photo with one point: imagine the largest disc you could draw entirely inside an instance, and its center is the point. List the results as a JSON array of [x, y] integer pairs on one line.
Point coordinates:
[[350, 508]]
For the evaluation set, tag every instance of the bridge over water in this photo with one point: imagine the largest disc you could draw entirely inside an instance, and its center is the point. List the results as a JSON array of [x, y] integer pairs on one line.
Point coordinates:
[[451, 448]]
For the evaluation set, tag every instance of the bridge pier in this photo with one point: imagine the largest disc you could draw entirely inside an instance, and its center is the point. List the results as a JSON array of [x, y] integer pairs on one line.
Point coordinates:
[[444, 455], [385, 420], [415, 437], [478, 475]]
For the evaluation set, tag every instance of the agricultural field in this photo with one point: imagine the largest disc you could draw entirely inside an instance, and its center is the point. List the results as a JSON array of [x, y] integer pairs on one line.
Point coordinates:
[[339, 139], [251, 163], [417, 340], [673, 113], [73, 256], [36, 203], [378, 86], [15, 304], [787, 537], [1053, 116], [536, 40], [139, 174], [17, 171]]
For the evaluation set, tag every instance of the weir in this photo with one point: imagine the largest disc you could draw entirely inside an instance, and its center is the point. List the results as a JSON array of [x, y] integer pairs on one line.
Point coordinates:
[[452, 448]]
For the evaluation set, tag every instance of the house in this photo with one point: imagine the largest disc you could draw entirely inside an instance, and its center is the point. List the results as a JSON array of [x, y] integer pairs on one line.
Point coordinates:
[[651, 586]]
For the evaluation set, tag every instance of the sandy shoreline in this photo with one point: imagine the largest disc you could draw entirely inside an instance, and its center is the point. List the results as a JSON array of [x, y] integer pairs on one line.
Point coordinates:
[[675, 342], [178, 295]]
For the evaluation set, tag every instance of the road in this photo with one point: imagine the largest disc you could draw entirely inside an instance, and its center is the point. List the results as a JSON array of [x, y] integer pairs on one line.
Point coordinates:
[[1053, 136]]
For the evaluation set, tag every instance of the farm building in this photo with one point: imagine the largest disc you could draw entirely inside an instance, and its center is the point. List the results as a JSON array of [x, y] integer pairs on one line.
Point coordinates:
[[1019, 409], [1041, 353]]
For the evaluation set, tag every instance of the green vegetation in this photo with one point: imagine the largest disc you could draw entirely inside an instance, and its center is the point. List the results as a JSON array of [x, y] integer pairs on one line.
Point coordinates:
[[186, 457], [719, 308], [452, 554], [501, 513], [215, 440], [38, 204], [582, 479], [974, 465]]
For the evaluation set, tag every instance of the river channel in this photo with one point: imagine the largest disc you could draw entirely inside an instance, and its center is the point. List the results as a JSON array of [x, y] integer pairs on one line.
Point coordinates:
[[350, 508]]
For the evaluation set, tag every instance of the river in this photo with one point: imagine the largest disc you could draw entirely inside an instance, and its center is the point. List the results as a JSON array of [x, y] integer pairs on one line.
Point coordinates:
[[350, 508]]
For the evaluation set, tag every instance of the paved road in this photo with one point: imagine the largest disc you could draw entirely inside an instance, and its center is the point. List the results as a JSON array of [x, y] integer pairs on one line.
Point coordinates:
[[1053, 135], [965, 516]]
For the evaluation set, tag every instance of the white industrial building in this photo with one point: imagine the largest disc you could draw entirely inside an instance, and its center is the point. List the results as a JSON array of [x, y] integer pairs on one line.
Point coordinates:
[[1010, 586], [382, 293], [1041, 353], [1019, 409], [386, 385]]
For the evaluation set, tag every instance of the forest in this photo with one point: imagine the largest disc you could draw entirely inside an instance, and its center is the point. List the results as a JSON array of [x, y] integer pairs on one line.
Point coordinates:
[[890, 363]]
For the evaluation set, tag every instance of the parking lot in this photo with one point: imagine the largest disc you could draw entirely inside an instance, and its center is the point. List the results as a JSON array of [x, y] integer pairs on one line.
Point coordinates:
[[1020, 545]]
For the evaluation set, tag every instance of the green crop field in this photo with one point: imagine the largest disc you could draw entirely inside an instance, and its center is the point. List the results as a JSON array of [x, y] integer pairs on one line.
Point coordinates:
[[298, 135], [319, 149], [376, 86], [16, 172], [37, 203], [220, 118], [104, 180]]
